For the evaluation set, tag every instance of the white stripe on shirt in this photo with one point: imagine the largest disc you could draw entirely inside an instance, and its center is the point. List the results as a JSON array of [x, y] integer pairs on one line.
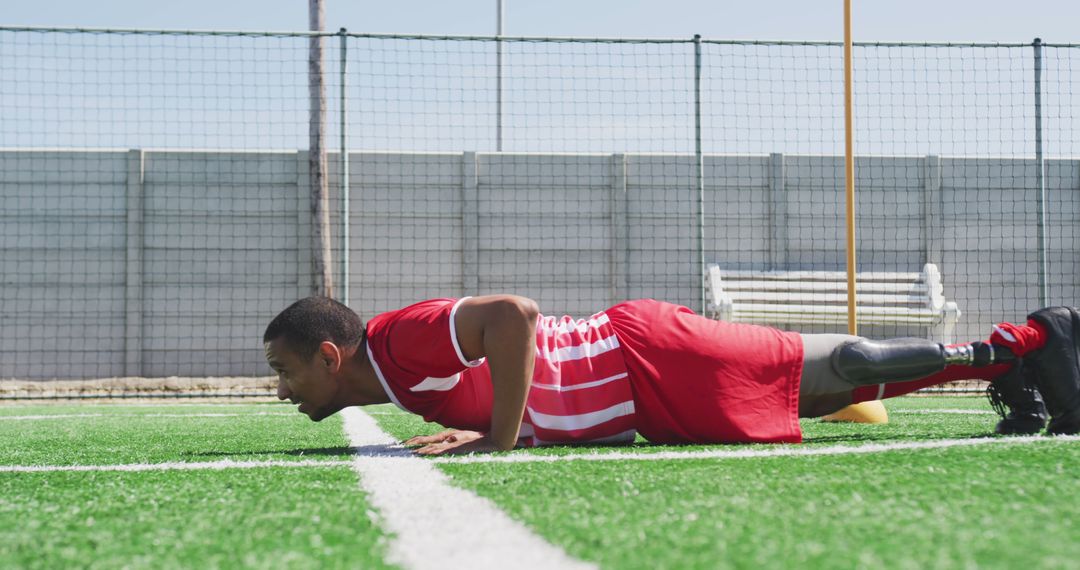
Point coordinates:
[[582, 326], [584, 350], [592, 384], [437, 384], [580, 421], [382, 380]]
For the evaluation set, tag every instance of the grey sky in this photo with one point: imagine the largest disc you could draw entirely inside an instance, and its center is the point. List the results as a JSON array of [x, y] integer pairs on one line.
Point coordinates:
[[912, 20]]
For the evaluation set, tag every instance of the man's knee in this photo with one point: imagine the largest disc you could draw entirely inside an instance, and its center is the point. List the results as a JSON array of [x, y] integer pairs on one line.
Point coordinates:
[[817, 405]]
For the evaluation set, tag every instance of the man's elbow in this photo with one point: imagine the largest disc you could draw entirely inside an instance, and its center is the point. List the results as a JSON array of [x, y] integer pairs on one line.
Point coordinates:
[[528, 308], [521, 309]]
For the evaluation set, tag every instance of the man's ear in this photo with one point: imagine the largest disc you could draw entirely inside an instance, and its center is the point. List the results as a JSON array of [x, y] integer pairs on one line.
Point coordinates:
[[330, 356]]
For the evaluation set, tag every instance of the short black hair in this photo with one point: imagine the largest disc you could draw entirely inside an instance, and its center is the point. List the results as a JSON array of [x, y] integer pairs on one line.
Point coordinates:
[[308, 322]]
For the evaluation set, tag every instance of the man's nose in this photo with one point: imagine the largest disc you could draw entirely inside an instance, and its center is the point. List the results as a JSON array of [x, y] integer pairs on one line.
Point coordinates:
[[283, 391]]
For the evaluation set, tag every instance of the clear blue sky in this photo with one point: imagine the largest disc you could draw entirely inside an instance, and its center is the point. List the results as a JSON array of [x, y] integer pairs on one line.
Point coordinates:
[[973, 102], [915, 20]]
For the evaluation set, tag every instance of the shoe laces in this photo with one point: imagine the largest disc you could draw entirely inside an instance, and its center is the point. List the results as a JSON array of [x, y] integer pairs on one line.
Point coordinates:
[[996, 400]]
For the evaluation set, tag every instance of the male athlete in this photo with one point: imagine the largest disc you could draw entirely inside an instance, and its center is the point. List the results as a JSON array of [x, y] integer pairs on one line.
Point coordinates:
[[501, 375]]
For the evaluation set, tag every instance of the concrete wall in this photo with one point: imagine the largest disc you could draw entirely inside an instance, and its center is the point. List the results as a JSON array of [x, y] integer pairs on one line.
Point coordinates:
[[159, 263]]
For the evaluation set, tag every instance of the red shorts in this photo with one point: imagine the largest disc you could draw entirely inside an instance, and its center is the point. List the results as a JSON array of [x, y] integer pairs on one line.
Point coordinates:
[[696, 380]]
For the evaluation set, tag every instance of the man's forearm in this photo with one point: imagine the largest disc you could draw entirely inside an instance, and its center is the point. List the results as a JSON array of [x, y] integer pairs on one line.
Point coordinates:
[[510, 345]]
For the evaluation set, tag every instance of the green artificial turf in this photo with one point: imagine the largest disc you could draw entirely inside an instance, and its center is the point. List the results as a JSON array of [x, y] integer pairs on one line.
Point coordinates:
[[241, 518], [1005, 505], [272, 517], [997, 506], [989, 507], [149, 434]]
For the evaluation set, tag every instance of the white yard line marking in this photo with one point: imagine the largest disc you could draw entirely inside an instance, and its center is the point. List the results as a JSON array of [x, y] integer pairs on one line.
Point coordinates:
[[114, 404], [435, 524], [172, 466], [779, 451], [194, 415], [945, 411], [389, 449]]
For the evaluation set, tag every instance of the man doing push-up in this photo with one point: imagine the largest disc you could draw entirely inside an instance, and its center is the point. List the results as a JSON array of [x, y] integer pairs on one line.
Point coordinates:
[[500, 374]]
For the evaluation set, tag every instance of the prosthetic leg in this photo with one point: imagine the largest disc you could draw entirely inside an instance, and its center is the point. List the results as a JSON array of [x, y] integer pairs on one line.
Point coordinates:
[[867, 361], [1013, 395]]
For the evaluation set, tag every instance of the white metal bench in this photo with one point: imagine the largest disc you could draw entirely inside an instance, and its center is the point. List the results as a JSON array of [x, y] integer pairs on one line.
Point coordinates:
[[820, 298]]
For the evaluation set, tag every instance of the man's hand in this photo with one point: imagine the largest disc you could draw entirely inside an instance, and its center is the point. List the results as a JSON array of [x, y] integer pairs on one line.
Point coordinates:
[[453, 441]]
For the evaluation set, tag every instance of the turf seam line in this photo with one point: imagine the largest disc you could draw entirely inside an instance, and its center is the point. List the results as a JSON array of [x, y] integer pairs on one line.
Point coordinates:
[[779, 451], [174, 466], [957, 411], [389, 450], [436, 525], [148, 415]]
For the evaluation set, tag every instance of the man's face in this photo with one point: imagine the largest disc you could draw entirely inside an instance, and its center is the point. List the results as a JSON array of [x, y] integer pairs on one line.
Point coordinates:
[[308, 383]]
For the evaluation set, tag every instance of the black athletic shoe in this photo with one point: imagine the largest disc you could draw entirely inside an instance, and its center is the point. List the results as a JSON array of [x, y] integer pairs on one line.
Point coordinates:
[[1057, 367], [1015, 398]]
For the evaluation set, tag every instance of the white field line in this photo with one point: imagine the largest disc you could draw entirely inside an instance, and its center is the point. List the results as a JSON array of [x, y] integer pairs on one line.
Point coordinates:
[[779, 451], [195, 415], [172, 466], [435, 524], [945, 411], [7, 404], [391, 450]]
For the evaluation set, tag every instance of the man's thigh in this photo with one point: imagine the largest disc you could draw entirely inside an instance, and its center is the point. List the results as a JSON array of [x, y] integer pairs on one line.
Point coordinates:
[[822, 391]]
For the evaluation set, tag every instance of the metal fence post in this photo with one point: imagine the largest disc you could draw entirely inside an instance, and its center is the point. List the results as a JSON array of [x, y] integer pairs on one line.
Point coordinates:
[[344, 169], [620, 238], [470, 224], [699, 167], [778, 212], [933, 217], [1040, 182], [499, 24], [135, 237]]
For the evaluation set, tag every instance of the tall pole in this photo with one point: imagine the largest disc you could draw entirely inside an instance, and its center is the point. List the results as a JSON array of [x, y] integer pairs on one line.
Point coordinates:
[[320, 196], [500, 21], [1040, 181], [870, 412], [849, 171], [699, 171], [344, 129]]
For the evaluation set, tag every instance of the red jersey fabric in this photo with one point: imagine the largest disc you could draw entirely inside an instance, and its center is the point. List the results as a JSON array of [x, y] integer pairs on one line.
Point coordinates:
[[641, 366], [704, 381], [416, 357]]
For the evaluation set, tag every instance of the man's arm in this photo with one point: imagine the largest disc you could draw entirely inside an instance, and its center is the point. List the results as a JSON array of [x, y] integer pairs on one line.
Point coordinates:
[[501, 328]]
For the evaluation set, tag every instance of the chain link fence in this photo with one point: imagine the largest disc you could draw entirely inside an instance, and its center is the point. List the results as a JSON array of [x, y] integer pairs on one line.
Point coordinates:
[[157, 188]]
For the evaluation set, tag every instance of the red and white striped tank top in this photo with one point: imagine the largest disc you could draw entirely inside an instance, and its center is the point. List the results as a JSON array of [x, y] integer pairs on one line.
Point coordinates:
[[580, 390]]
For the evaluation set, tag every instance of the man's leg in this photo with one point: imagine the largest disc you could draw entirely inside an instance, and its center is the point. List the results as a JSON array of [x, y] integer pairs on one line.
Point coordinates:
[[840, 369], [822, 391]]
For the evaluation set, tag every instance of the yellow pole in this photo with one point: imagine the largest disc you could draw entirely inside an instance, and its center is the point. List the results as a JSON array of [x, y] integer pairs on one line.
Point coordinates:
[[866, 412]]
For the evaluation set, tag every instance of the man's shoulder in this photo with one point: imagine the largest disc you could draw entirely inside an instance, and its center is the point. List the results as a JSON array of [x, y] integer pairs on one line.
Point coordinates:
[[427, 307]]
